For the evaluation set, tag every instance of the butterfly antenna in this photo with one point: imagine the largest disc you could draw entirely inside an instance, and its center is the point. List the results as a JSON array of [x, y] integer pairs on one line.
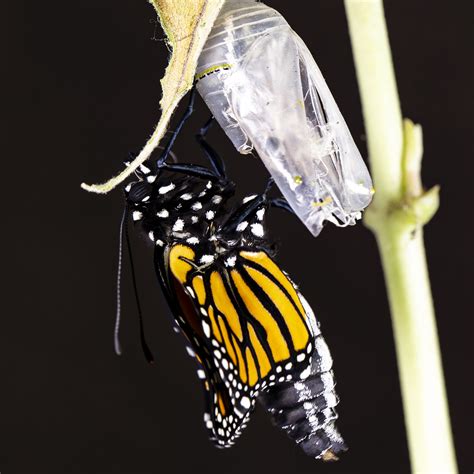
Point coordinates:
[[145, 348], [117, 345]]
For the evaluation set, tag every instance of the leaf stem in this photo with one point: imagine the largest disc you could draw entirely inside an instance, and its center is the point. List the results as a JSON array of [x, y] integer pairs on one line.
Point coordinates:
[[400, 209], [187, 26]]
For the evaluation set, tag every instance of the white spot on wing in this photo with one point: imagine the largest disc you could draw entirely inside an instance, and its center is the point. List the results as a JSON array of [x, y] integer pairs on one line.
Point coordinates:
[[300, 357], [196, 206], [230, 262], [207, 259], [206, 328], [305, 373], [245, 402]]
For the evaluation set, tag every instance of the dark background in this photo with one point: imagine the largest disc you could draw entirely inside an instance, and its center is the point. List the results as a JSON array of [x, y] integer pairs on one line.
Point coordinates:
[[81, 90]]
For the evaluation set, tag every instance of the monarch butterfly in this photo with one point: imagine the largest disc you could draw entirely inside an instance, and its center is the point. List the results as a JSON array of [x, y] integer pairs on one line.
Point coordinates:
[[253, 334], [264, 87]]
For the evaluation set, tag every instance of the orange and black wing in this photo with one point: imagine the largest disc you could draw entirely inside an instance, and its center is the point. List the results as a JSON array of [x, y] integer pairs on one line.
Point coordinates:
[[246, 324]]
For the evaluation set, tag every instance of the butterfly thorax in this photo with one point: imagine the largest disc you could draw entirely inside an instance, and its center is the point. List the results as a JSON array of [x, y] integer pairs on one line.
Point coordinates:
[[174, 208]]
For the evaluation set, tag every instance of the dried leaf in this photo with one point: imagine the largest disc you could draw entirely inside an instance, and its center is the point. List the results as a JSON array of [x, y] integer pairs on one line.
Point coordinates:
[[187, 24]]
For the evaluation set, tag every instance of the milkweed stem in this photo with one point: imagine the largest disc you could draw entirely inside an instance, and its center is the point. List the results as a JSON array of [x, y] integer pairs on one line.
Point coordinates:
[[400, 209]]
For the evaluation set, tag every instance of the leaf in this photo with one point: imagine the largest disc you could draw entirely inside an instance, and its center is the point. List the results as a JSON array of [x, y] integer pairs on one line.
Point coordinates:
[[187, 24]]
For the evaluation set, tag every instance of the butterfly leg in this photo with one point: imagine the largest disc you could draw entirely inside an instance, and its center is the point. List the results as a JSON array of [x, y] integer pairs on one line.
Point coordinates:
[[184, 118], [247, 211], [217, 169], [251, 208], [190, 169], [281, 203], [244, 213], [217, 165], [214, 158]]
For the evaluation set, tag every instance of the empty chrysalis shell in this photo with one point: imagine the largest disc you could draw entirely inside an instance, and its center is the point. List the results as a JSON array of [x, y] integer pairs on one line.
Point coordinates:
[[264, 88]]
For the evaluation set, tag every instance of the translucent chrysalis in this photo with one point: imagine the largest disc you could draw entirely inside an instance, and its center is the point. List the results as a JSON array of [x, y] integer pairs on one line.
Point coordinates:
[[266, 91]]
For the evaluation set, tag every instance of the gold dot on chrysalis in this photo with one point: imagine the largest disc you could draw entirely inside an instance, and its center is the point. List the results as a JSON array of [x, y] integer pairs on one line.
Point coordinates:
[[326, 201]]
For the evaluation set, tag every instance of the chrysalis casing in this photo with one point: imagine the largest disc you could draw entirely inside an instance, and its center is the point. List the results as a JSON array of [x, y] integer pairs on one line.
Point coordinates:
[[263, 86]]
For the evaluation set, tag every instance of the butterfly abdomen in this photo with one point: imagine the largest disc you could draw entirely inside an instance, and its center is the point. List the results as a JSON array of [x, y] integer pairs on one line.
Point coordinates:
[[305, 409]]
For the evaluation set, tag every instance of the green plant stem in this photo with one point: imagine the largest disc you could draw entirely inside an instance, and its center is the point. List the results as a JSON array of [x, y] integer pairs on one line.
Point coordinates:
[[397, 215]]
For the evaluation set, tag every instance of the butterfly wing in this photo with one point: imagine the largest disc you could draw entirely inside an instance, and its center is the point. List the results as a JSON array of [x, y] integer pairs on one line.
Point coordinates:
[[247, 327]]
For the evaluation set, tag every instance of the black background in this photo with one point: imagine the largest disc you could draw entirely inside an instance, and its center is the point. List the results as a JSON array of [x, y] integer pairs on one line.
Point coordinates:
[[81, 90]]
